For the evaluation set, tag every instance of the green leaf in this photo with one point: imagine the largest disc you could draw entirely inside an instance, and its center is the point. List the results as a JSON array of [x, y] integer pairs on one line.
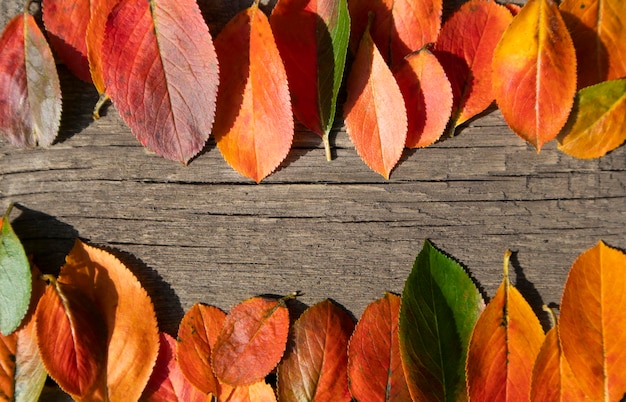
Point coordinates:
[[15, 279], [440, 305]]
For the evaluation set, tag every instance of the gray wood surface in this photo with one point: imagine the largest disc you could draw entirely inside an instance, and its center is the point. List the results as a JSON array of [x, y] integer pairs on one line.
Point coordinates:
[[202, 233]]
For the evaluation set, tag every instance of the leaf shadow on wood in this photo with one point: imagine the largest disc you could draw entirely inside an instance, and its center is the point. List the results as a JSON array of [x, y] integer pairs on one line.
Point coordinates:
[[79, 98], [45, 238], [530, 293], [167, 305]]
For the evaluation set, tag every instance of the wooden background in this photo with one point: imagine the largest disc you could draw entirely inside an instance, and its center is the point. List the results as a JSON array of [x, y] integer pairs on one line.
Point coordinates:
[[202, 233]]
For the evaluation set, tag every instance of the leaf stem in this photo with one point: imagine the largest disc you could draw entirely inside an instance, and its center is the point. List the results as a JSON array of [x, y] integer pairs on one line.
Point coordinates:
[[101, 101], [326, 140]]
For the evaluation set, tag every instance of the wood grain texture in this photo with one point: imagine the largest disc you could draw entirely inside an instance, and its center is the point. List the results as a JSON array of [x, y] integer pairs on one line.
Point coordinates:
[[329, 229]]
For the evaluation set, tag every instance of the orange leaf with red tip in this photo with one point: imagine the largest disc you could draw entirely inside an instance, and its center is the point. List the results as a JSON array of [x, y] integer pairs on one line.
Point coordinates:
[[465, 48], [197, 333], [593, 313], [162, 74], [374, 365], [30, 95], [66, 24], [374, 112], [399, 27], [254, 123], [598, 29], [257, 392], [552, 378], [534, 73], [505, 342], [71, 338], [251, 342], [99, 11], [427, 97], [167, 382], [131, 328], [315, 367]]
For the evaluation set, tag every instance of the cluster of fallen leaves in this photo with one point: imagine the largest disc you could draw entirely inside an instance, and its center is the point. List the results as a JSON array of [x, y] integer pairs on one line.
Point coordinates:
[[411, 78], [94, 331]]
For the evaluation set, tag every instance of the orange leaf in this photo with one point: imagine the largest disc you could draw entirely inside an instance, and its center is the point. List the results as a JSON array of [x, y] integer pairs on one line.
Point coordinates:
[[66, 25], [251, 342], [552, 378], [505, 342], [427, 96], [593, 313], [399, 26], [465, 48], [128, 313], [162, 74], [99, 11], [598, 123], [375, 115], [598, 29], [513, 8], [30, 95], [315, 367], [534, 73], [254, 124], [374, 366], [197, 334], [167, 382], [257, 392], [71, 338]]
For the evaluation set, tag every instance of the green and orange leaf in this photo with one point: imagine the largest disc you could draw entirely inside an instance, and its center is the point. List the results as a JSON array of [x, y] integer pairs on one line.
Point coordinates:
[[593, 312], [505, 343], [254, 124], [534, 73], [161, 74], [315, 368]]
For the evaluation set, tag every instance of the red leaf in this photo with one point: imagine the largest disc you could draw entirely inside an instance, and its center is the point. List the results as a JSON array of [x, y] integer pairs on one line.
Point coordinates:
[[66, 24], [375, 115], [161, 74], [254, 124], [30, 95], [197, 334], [399, 26], [513, 8], [427, 96], [71, 338], [167, 382], [374, 365], [465, 48], [534, 73], [315, 368], [251, 342]]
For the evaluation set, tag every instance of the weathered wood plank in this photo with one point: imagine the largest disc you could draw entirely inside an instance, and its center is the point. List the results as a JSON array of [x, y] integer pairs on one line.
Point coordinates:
[[330, 229]]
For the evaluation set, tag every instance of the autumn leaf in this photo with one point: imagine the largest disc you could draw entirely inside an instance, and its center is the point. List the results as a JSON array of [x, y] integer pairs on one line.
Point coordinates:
[[534, 73], [312, 37], [399, 26], [598, 123], [257, 392], [254, 124], [128, 313], [465, 49], [504, 345], [513, 8], [22, 373], [374, 112], [374, 367], [251, 341], [197, 333], [30, 95], [593, 312], [598, 29], [552, 378], [315, 367], [427, 97], [71, 338], [167, 382], [15, 278], [66, 26], [161, 72], [440, 305]]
